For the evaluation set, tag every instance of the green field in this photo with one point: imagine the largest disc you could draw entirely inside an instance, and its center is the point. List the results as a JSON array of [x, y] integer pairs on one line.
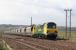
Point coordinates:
[[71, 36]]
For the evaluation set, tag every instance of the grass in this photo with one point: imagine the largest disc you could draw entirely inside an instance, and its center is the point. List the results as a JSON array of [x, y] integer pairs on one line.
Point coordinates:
[[64, 35], [1, 47]]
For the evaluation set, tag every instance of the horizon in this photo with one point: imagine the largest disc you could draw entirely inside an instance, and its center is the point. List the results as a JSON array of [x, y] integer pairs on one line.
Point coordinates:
[[29, 25]]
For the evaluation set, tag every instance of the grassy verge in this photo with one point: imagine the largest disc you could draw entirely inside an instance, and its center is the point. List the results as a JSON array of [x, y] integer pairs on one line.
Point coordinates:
[[1, 46], [71, 36], [4, 46]]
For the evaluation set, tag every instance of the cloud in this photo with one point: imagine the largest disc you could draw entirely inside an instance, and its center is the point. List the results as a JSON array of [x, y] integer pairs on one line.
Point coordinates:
[[20, 11]]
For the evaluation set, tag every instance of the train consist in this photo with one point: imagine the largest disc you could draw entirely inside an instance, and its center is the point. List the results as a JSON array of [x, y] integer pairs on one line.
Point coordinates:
[[47, 30]]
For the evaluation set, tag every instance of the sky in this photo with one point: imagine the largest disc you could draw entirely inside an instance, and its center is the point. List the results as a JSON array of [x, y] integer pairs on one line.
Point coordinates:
[[19, 12]]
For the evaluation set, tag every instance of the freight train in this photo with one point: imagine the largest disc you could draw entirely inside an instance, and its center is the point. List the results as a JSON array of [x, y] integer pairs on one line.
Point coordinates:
[[47, 30]]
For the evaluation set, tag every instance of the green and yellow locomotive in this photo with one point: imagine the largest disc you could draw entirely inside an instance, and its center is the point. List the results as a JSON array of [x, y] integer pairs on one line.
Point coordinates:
[[47, 30]]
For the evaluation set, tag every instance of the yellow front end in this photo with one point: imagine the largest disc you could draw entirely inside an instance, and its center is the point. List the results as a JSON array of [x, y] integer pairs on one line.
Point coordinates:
[[50, 31]]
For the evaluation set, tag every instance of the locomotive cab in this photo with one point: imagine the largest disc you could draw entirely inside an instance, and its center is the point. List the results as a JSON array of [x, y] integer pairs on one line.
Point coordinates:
[[51, 30]]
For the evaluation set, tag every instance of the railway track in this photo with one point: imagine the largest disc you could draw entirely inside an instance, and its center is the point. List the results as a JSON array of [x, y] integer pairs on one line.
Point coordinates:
[[39, 44], [30, 45], [55, 45]]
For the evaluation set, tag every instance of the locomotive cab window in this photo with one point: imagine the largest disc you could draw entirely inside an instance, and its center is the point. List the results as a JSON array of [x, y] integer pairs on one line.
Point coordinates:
[[51, 25]]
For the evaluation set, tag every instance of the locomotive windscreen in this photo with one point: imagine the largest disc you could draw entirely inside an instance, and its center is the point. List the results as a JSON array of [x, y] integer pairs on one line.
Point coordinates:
[[51, 25]]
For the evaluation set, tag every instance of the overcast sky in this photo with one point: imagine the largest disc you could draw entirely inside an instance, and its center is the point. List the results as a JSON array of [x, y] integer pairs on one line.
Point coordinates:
[[20, 11]]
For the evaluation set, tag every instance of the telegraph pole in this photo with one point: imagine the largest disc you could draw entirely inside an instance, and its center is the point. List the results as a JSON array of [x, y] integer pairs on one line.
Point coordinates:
[[70, 23], [66, 23], [31, 21], [66, 10]]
